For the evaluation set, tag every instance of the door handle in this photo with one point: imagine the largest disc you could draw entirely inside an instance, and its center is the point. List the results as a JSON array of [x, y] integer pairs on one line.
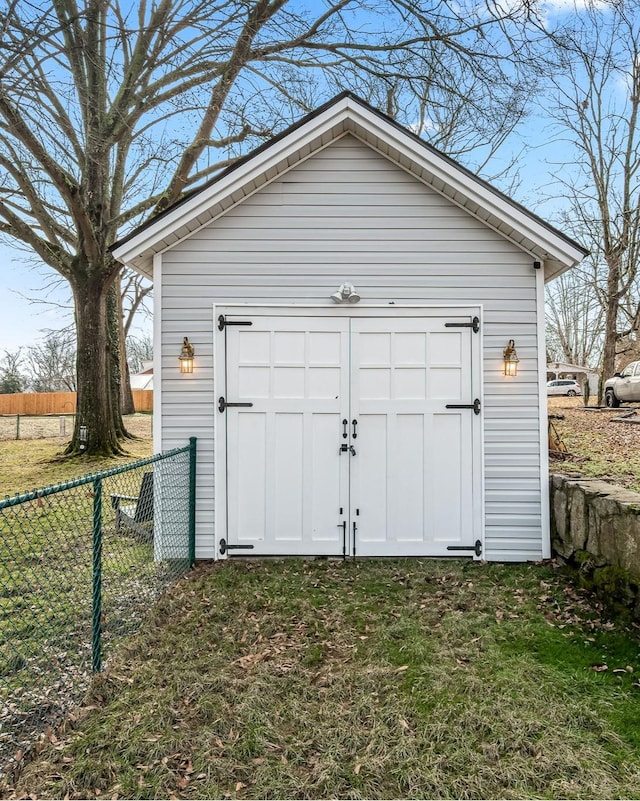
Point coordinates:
[[354, 423], [345, 423]]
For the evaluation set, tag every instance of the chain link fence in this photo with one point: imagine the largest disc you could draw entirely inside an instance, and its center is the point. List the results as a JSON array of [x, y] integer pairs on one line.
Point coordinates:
[[81, 563]]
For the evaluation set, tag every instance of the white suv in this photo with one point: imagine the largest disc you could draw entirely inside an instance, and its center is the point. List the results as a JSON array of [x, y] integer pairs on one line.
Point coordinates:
[[624, 386], [564, 386]]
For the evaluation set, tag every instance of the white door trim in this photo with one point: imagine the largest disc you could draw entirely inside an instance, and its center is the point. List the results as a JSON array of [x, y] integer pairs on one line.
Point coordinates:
[[333, 310]]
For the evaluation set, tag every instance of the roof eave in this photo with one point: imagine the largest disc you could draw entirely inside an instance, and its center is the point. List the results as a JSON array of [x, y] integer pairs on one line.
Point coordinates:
[[349, 114]]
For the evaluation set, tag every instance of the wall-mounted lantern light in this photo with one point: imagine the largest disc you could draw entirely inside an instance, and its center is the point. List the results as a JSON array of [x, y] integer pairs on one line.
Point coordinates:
[[346, 293], [510, 359], [186, 357]]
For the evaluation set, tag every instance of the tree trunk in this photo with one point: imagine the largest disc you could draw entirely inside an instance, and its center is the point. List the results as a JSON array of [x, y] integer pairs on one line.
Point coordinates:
[[610, 327], [97, 427], [113, 336], [126, 395]]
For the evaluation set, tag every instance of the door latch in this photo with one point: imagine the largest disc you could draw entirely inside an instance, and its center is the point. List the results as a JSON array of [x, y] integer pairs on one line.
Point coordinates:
[[344, 448]]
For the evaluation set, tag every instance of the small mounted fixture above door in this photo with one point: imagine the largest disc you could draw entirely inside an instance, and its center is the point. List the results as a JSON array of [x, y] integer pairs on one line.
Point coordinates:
[[346, 293]]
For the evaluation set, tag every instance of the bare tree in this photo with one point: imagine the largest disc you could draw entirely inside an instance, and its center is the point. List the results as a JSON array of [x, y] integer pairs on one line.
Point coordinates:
[[139, 350], [12, 377], [110, 111], [51, 364], [135, 292], [575, 319], [597, 112]]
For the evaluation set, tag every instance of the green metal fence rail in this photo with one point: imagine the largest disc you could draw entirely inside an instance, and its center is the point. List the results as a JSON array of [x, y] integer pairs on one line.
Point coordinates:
[[81, 563]]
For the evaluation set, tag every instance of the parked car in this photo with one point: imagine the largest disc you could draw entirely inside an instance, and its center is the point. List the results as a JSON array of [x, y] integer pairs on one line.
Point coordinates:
[[564, 386], [624, 386]]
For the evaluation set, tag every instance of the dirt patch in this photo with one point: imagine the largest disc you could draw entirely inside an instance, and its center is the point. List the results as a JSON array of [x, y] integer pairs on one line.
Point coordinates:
[[598, 446]]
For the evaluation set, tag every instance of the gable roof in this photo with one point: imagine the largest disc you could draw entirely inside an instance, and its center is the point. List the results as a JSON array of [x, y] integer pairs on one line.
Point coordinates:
[[348, 114]]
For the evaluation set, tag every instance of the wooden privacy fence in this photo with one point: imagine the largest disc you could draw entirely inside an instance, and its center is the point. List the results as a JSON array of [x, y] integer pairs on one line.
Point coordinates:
[[32, 403]]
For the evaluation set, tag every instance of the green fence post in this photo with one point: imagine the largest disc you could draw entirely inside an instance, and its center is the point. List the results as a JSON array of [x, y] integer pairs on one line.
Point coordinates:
[[192, 501], [96, 626]]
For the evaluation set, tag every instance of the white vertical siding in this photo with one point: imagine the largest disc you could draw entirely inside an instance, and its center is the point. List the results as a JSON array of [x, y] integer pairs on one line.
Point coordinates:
[[348, 213]]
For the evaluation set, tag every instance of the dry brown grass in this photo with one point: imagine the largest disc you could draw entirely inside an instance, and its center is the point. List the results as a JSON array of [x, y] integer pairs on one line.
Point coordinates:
[[31, 463], [598, 446]]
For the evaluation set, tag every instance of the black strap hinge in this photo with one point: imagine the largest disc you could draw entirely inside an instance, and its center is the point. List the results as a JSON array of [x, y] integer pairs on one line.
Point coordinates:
[[222, 404], [477, 548], [474, 324], [223, 322], [475, 406], [225, 546]]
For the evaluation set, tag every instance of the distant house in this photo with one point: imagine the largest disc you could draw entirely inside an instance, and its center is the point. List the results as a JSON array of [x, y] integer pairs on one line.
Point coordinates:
[[565, 370], [143, 379], [354, 297]]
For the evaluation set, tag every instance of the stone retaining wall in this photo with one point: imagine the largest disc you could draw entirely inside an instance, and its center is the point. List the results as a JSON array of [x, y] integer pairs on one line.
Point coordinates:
[[595, 527]]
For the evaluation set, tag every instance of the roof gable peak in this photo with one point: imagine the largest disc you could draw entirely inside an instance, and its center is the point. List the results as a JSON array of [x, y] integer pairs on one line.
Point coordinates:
[[347, 113]]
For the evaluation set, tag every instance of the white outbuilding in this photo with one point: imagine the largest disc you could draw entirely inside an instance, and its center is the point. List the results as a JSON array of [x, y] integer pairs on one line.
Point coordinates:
[[356, 302]]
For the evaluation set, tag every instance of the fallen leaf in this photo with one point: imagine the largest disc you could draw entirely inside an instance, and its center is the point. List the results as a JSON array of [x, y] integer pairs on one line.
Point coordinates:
[[356, 770], [599, 668], [400, 669], [239, 786]]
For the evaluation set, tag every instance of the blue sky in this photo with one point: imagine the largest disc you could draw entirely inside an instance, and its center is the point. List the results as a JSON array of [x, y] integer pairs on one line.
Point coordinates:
[[22, 323]]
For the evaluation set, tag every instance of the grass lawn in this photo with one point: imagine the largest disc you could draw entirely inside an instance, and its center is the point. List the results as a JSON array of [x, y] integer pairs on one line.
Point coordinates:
[[374, 679], [46, 563], [34, 463]]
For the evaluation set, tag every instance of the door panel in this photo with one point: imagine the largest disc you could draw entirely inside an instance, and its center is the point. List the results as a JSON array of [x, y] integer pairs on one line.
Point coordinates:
[[408, 488], [286, 480], [411, 479]]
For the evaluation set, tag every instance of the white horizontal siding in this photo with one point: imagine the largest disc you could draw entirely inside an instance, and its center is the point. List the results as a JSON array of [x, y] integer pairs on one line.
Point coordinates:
[[347, 213]]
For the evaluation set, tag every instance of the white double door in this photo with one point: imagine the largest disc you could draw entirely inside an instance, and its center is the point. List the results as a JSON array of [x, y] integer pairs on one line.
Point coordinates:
[[348, 447]]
